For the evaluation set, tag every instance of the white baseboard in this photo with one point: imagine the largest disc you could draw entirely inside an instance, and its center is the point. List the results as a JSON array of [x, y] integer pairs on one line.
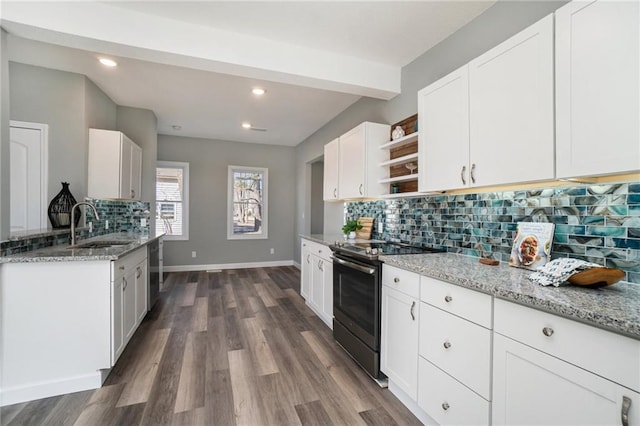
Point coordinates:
[[212, 267], [297, 265], [52, 388]]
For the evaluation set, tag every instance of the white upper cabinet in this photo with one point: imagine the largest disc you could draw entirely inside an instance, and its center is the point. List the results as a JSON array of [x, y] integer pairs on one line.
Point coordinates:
[[597, 88], [443, 114], [511, 109], [491, 122], [351, 163], [115, 165], [360, 155], [330, 183]]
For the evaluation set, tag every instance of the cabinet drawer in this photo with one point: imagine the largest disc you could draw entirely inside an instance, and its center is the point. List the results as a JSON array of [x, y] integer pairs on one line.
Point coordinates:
[[318, 249], [401, 280], [457, 346], [446, 400], [128, 262], [469, 304], [607, 354]]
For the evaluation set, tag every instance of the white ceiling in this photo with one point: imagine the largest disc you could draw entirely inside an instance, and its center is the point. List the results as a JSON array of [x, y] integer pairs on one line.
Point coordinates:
[[194, 63]]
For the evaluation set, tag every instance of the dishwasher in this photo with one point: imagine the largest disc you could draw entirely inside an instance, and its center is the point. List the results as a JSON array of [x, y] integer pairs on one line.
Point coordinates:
[[155, 271]]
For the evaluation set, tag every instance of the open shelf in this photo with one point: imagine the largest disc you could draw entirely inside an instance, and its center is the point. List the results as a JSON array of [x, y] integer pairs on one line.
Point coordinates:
[[403, 178], [405, 140], [400, 160]]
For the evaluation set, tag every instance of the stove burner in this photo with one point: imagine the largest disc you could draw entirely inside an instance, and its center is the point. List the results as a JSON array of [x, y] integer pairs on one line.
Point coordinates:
[[372, 250]]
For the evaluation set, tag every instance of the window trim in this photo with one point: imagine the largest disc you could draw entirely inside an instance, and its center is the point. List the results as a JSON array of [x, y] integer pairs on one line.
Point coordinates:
[[265, 215], [185, 197]]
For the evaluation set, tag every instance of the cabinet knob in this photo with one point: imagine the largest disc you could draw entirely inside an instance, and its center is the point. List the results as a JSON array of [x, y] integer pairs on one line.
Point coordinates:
[[547, 331], [445, 406], [446, 344], [448, 299], [396, 280], [121, 268]]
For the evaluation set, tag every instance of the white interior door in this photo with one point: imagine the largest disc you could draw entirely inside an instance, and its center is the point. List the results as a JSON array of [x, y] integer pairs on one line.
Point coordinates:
[[28, 176]]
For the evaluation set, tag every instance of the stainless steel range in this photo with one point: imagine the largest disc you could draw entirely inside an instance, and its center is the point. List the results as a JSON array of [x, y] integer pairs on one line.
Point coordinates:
[[357, 298]]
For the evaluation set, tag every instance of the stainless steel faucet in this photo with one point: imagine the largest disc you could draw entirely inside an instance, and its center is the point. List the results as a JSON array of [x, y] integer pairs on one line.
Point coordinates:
[[73, 219]]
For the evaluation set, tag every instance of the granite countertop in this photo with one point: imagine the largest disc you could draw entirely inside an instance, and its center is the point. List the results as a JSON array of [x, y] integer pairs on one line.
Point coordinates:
[[63, 253], [615, 308]]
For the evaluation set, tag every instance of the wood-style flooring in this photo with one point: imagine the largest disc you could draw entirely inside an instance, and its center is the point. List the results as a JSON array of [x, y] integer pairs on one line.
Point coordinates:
[[237, 347]]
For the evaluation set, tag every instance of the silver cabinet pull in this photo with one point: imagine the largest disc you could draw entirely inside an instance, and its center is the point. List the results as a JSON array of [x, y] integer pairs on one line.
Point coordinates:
[[396, 280], [308, 258], [335, 192], [133, 194], [360, 190], [462, 172], [445, 406], [413, 305], [139, 272], [624, 414], [547, 331], [320, 264], [124, 283], [473, 173], [448, 299], [447, 344]]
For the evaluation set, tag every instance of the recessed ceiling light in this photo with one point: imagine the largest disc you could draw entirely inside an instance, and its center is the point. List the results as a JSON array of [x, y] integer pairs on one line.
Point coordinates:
[[246, 125], [258, 91], [108, 62], [176, 127]]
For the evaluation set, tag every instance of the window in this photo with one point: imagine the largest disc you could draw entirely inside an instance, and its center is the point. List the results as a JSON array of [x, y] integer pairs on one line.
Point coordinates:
[[247, 203], [172, 200]]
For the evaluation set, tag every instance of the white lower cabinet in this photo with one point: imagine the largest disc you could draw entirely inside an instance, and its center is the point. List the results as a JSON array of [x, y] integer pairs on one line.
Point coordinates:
[[549, 370], [128, 299], [448, 401], [400, 321], [316, 279]]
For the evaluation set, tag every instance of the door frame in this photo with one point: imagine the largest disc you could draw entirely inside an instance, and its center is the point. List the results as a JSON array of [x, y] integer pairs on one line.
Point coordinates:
[[44, 158]]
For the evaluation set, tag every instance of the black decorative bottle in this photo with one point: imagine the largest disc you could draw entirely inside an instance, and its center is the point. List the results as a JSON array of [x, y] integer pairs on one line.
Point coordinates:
[[60, 208]]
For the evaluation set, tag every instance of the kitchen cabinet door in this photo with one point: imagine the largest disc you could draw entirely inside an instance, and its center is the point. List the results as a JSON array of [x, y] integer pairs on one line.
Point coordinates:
[[512, 109], [531, 387], [443, 114], [399, 340], [352, 163], [597, 88], [331, 177], [129, 304], [305, 270], [117, 333], [327, 288], [141, 289], [316, 289], [135, 189]]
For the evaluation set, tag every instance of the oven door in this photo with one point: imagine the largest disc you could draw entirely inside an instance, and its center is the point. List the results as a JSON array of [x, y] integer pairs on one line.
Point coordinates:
[[356, 298]]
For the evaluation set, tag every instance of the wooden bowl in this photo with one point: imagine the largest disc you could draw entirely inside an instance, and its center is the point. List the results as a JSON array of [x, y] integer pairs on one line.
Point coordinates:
[[597, 277]]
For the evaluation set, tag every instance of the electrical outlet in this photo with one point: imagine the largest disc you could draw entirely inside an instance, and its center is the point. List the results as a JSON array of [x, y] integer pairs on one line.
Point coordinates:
[[143, 222], [106, 224], [194, 254], [272, 250]]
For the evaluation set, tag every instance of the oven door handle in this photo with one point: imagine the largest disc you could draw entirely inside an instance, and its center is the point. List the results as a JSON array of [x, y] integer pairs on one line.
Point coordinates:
[[368, 271]]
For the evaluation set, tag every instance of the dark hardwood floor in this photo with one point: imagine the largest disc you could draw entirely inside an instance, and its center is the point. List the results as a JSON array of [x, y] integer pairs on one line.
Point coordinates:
[[232, 347]]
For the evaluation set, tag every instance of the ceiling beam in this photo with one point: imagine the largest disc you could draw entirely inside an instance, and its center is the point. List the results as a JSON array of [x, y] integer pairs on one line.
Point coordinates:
[[107, 29]]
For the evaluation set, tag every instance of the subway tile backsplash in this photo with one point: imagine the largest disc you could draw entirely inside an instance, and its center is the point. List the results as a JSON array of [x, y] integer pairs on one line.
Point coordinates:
[[123, 216], [597, 223]]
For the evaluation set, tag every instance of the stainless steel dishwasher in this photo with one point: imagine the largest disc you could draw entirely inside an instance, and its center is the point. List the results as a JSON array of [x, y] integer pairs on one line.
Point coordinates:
[[154, 254]]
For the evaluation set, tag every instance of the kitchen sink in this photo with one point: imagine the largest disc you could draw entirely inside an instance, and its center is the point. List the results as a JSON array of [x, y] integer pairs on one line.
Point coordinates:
[[101, 244]]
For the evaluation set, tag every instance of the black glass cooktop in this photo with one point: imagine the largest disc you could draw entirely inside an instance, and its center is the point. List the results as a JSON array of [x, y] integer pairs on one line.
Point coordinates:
[[372, 250]]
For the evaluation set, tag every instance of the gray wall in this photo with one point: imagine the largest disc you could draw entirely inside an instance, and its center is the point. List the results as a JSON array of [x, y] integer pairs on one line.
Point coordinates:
[[495, 25], [208, 161], [56, 98], [4, 137], [141, 126], [317, 205]]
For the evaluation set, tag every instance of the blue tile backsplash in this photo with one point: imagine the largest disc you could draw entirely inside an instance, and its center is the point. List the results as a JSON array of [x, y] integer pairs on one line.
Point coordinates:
[[123, 216], [597, 223]]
